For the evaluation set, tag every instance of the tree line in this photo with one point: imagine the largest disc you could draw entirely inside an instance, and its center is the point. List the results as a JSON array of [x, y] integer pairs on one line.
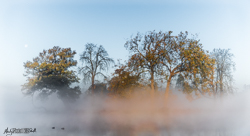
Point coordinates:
[[156, 58]]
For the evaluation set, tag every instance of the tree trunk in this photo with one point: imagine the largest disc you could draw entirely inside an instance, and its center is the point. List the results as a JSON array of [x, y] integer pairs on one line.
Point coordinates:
[[221, 86], [168, 87], [92, 85], [152, 85]]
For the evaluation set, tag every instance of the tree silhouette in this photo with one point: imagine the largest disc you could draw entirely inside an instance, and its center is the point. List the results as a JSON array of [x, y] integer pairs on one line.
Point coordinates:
[[96, 60]]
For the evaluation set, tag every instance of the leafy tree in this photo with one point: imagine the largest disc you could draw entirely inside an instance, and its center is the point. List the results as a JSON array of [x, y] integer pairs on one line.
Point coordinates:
[[125, 81], [96, 60], [224, 65], [50, 74], [169, 56], [185, 58], [146, 56]]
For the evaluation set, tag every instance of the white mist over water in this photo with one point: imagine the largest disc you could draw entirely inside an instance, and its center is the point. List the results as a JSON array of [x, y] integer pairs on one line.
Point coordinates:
[[136, 116]]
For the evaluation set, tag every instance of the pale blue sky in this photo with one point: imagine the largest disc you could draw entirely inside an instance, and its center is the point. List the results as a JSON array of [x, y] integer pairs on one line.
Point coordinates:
[[44, 24]]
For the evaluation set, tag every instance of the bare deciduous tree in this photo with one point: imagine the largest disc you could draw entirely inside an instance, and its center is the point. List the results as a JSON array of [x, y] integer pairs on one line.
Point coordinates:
[[96, 60], [224, 66]]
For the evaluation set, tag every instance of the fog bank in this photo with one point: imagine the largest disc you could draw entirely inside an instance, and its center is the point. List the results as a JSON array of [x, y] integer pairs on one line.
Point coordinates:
[[135, 116]]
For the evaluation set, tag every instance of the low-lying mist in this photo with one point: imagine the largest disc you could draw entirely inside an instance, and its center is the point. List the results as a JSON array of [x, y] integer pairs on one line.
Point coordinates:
[[138, 115]]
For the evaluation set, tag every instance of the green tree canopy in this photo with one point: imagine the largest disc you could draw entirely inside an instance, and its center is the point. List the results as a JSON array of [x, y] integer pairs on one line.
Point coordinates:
[[50, 73]]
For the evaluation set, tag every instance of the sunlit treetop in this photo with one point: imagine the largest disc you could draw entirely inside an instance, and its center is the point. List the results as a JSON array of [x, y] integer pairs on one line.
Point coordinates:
[[145, 53], [160, 53], [50, 71]]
